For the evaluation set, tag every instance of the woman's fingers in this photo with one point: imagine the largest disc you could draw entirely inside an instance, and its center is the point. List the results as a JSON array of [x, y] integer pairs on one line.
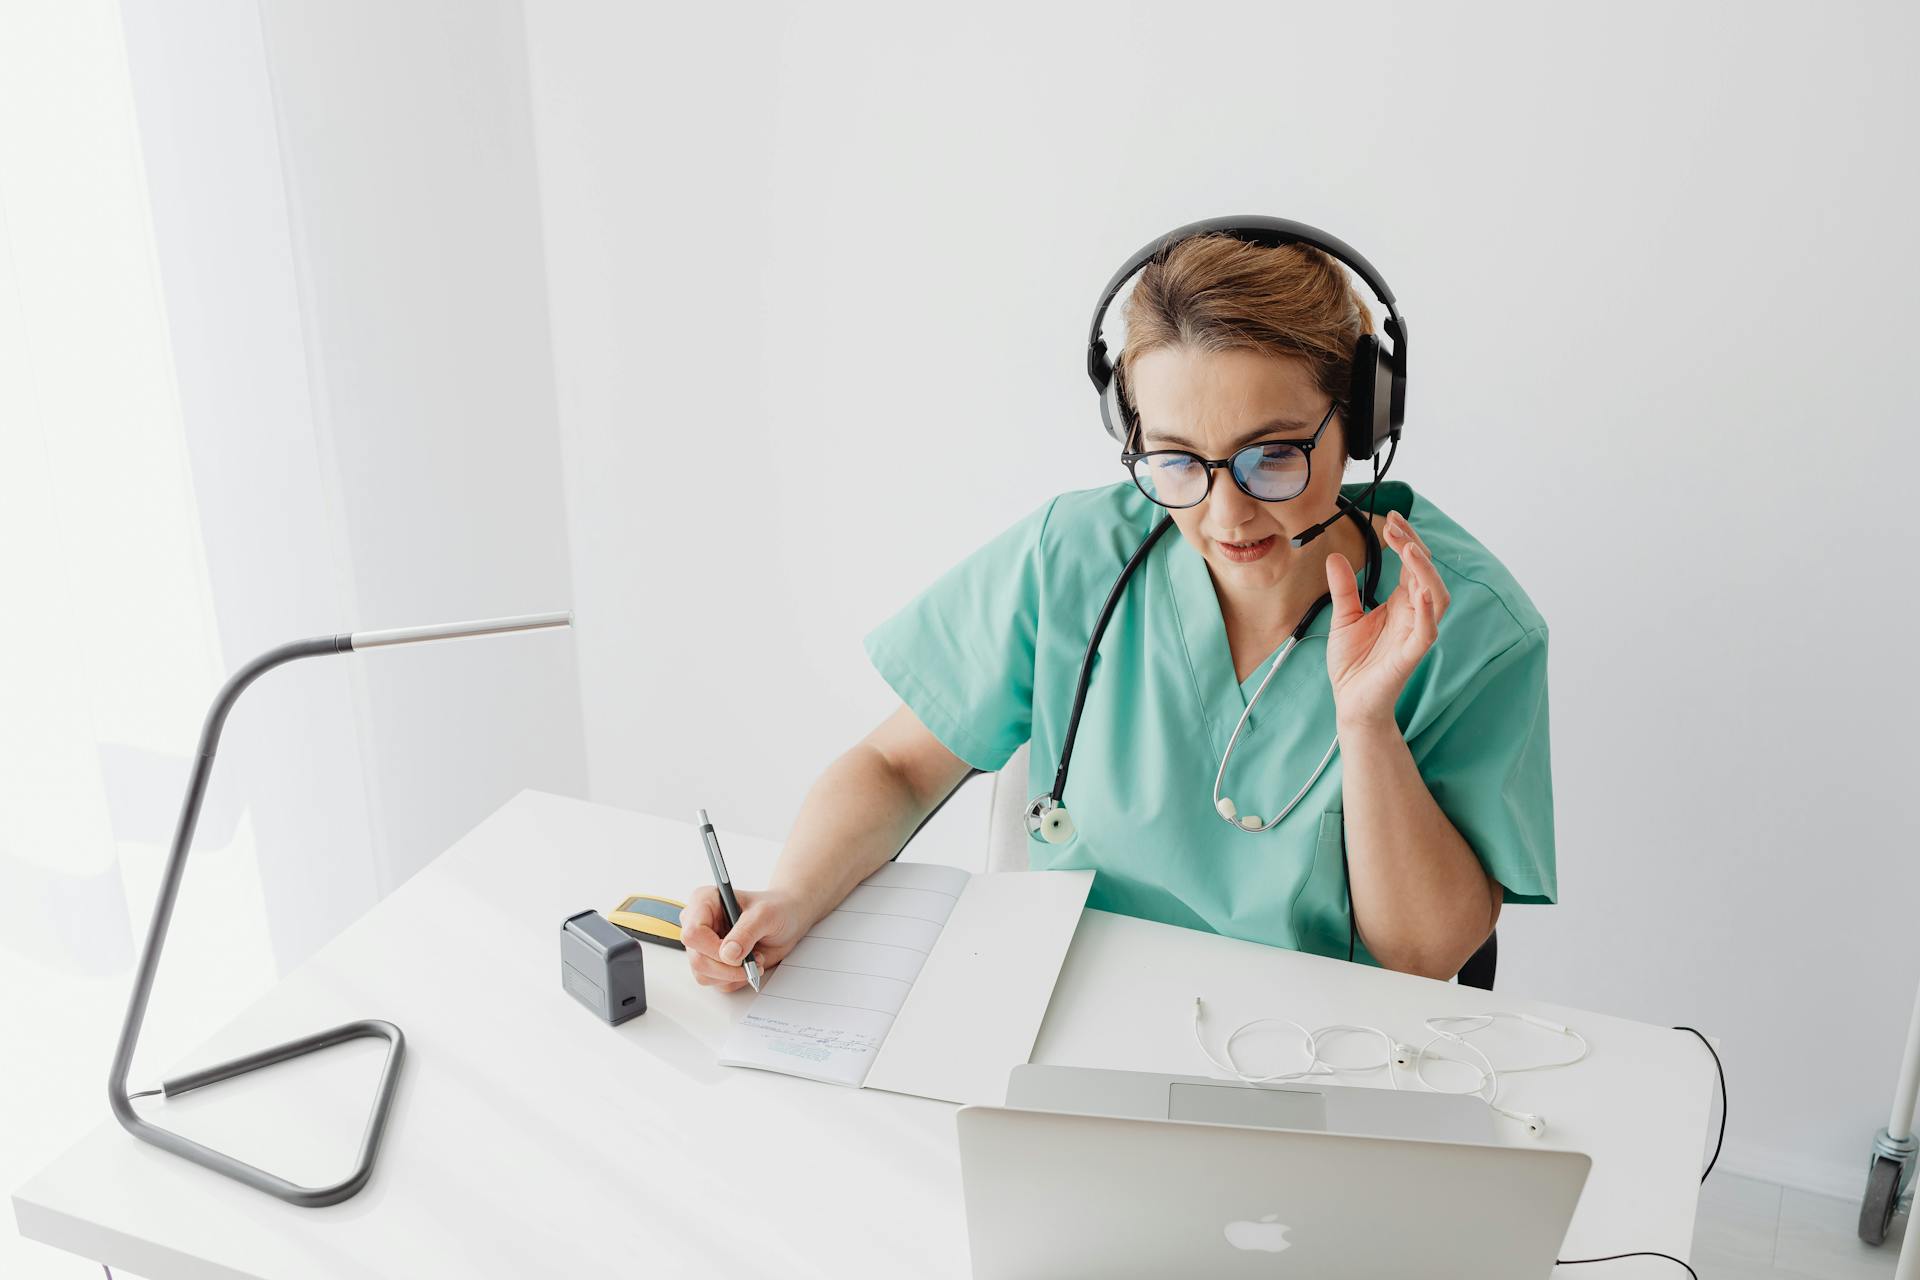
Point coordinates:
[[703, 908], [701, 940], [1346, 596], [1425, 624], [703, 947], [1427, 595], [1428, 576], [1415, 557], [1400, 534], [759, 919], [709, 972], [697, 934], [1414, 596], [1398, 633], [715, 950]]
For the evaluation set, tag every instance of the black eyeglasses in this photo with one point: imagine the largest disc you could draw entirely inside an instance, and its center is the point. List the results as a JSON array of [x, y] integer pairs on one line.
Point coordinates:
[[1269, 470]]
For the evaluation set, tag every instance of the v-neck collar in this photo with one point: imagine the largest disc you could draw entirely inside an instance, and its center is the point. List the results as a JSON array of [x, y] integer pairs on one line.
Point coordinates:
[[1222, 698]]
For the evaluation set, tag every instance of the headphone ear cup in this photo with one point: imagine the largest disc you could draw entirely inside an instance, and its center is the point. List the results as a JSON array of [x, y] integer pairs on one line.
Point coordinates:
[[1369, 399], [1115, 414]]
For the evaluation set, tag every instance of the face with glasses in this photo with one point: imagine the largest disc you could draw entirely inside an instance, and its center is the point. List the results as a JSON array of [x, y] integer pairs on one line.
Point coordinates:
[[1242, 448]]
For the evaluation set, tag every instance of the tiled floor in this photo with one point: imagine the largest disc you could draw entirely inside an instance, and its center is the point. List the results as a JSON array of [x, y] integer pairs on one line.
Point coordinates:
[[1751, 1230]]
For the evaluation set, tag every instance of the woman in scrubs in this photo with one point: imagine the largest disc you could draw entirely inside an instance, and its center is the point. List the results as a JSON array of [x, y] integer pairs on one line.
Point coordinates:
[[1437, 805]]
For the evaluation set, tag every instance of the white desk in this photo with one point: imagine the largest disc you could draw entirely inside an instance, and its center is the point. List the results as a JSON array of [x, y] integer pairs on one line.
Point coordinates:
[[528, 1138]]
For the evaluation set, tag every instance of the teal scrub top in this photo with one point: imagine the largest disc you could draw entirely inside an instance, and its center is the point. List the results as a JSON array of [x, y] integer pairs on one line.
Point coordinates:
[[987, 657]]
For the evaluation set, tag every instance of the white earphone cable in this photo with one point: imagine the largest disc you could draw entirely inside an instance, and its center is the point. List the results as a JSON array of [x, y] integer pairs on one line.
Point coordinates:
[[1454, 1028], [1227, 1048]]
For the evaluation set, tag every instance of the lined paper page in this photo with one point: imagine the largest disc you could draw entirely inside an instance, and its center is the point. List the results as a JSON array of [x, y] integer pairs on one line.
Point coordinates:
[[826, 1008], [977, 1004]]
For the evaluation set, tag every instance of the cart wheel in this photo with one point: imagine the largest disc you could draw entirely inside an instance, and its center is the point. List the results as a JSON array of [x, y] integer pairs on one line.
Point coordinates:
[[1883, 1196]]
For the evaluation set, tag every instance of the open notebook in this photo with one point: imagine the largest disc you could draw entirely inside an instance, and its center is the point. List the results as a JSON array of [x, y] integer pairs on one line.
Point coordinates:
[[927, 980]]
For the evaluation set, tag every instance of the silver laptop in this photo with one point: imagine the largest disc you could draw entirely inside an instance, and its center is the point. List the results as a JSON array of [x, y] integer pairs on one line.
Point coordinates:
[[1052, 1193], [1387, 1113]]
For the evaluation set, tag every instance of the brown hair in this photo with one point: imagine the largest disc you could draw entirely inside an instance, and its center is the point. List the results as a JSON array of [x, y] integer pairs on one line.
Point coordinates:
[[1220, 293]]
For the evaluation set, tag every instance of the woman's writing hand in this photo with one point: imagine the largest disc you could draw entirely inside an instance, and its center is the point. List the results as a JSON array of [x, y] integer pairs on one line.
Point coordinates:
[[1370, 655], [768, 927]]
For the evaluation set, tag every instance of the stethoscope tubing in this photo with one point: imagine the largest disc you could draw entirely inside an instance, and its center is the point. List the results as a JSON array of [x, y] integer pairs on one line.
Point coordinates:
[[1221, 773], [1055, 799], [1093, 647]]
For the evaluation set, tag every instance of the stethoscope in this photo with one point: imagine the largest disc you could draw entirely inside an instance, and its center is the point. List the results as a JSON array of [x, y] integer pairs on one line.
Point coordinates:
[[1047, 816]]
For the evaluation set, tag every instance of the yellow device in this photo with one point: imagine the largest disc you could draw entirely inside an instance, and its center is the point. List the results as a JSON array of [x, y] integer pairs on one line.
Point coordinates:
[[650, 919]]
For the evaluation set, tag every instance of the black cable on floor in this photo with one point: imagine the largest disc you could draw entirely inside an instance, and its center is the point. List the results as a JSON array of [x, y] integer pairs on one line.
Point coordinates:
[[1642, 1253]]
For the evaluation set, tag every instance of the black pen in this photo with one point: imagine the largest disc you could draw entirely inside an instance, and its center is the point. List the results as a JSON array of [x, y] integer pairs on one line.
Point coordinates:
[[725, 885]]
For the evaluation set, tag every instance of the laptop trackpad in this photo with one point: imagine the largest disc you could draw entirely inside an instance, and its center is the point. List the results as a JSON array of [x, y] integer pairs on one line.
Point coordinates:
[[1260, 1108]]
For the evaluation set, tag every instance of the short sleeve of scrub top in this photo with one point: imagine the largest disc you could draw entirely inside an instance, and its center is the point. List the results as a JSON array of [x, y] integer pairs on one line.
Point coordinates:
[[961, 653], [988, 655]]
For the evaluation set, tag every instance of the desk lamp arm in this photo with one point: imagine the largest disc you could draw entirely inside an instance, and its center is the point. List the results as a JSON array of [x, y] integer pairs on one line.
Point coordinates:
[[117, 1096]]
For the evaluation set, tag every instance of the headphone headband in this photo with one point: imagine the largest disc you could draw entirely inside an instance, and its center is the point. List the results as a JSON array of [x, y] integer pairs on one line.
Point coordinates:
[[1387, 401]]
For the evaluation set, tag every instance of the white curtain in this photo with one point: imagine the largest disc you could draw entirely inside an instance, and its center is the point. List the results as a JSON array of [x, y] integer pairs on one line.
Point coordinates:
[[108, 648]]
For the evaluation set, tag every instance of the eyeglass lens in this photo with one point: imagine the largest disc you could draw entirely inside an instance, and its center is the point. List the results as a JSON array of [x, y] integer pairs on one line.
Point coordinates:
[[1269, 472]]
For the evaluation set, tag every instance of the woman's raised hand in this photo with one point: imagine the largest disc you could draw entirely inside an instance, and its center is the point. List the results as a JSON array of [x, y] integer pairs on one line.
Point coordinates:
[[768, 927], [1370, 655]]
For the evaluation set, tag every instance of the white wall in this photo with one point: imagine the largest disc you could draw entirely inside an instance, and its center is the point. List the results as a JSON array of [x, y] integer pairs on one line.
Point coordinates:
[[1656, 262]]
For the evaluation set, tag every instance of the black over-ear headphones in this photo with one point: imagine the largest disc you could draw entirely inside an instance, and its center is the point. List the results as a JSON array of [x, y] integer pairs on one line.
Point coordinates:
[[1378, 393]]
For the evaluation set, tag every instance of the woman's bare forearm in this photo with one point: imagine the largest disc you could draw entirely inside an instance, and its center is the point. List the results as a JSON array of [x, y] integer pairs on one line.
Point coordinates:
[[855, 817], [1421, 900]]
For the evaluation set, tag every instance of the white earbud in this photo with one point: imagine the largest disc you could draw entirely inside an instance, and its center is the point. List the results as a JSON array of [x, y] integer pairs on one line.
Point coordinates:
[[1536, 1125], [1402, 1055], [1251, 821]]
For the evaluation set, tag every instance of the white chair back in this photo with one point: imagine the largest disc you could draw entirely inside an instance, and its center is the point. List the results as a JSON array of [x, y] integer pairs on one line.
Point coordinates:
[[1007, 815]]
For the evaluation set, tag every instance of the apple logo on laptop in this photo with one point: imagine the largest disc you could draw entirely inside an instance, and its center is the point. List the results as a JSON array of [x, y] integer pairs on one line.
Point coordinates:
[[1267, 1235]]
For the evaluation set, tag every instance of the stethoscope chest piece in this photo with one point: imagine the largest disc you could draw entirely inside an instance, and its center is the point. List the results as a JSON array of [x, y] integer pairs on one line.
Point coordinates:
[[1048, 819]]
